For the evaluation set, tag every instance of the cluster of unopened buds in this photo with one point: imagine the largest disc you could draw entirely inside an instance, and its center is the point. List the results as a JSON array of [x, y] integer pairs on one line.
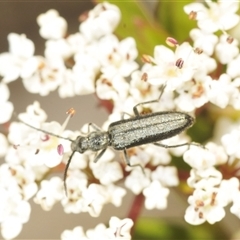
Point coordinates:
[[94, 60]]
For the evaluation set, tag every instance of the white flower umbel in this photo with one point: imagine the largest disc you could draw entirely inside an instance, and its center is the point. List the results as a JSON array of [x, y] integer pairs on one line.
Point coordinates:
[[52, 26], [101, 21], [215, 16]]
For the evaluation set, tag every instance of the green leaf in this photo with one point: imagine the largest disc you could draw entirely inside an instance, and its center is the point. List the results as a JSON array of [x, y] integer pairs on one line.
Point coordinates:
[[139, 24], [152, 229], [175, 21]]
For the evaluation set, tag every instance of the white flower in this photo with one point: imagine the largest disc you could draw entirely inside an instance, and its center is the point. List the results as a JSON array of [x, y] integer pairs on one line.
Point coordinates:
[[204, 178], [156, 195], [94, 198], [226, 52], [115, 88], [102, 20], [166, 70], [235, 97], [220, 90], [13, 213], [199, 158], [41, 75], [117, 58], [233, 69], [20, 46], [136, 181], [52, 26], [158, 155], [167, 176], [58, 48], [50, 193], [231, 141], [20, 50], [205, 66], [107, 172], [217, 15], [116, 195], [5, 105], [193, 95], [204, 40], [76, 233], [119, 229], [99, 232], [3, 145], [76, 186], [205, 205]]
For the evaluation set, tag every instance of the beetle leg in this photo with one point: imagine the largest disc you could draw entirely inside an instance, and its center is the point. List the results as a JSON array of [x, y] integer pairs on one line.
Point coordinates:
[[135, 110], [99, 155], [128, 162], [179, 145]]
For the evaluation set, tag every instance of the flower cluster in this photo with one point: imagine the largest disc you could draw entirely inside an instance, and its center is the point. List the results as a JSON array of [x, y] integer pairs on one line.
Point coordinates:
[[94, 60]]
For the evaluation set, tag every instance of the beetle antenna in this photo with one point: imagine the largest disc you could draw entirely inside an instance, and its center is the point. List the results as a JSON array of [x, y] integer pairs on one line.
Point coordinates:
[[65, 172], [44, 131]]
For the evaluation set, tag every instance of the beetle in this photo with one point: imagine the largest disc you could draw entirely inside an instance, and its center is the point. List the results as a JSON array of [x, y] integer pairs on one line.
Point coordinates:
[[131, 132]]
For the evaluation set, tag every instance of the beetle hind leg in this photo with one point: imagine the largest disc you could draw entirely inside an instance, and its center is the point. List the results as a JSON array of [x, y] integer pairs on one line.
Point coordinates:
[[132, 165]]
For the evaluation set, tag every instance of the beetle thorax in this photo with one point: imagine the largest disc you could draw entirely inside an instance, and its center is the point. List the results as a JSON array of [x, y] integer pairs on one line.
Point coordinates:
[[95, 141]]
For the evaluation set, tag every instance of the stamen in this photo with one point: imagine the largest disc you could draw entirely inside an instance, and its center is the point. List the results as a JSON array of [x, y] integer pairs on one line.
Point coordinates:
[[45, 138], [15, 146], [146, 58], [171, 42], [37, 151], [230, 39], [70, 112], [198, 50], [179, 63], [144, 77], [192, 15]]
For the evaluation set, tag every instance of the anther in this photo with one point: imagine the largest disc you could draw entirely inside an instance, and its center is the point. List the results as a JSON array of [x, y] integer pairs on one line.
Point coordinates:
[[146, 58], [144, 77], [230, 39], [179, 63], [192, 15], [171, 42], [71, 112], [198, 50]]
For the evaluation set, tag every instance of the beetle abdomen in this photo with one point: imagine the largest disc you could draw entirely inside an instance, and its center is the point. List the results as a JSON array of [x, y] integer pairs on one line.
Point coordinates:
[[148, 128]]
